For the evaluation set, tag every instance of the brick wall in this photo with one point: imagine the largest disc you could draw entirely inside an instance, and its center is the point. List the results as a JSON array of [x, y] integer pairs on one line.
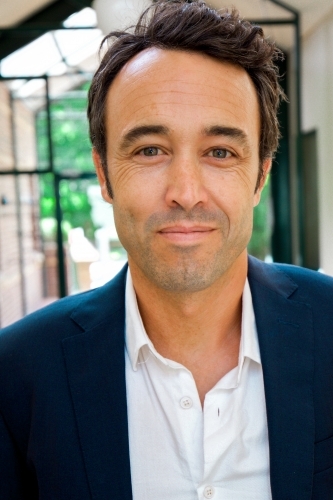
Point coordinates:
[[6, 156], [21, 260]]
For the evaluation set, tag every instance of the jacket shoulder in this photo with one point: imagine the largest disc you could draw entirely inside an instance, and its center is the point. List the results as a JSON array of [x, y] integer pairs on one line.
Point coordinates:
[[65, 317], [312, 284], [52, 319], [297, 283]]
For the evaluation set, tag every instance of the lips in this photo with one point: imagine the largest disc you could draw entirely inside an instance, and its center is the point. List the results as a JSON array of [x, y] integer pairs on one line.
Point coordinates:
[[186, 235], [186, 229]]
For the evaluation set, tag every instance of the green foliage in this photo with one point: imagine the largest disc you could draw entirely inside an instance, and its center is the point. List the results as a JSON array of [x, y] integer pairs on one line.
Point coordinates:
[[47, 199], [260, 244], [70, 139], [75, 205], [71, 155]]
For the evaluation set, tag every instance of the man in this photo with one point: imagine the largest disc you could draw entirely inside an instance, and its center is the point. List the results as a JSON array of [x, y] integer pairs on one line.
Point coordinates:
[[197, 372]]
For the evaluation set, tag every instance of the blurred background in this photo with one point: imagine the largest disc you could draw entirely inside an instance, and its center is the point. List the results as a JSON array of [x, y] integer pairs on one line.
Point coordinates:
[[57, 235]]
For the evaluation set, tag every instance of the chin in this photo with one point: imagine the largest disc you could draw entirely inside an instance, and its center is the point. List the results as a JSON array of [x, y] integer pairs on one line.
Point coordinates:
[[187, 277]]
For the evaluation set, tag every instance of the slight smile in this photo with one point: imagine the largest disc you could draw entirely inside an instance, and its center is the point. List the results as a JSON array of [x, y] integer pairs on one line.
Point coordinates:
[[186, 234]]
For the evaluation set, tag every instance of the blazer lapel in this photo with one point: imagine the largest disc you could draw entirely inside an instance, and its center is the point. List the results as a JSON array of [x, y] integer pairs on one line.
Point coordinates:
[[95, 366], [286, 346]]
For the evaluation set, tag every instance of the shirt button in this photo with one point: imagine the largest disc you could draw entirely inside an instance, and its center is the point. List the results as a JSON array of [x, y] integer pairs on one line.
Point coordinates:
[[209, 492], [186, 402]]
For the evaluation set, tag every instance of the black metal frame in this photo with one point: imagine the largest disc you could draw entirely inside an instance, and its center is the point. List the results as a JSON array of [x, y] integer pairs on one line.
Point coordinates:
[[49, 18], [295, 21], [40, 29], [57, 178]]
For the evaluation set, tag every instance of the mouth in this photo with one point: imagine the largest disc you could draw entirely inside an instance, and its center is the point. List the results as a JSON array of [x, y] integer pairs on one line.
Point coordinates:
[[186, 234]]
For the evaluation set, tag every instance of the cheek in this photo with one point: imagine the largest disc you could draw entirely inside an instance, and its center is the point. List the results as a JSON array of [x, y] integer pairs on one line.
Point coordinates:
[[133, 203], [232, 193], [126, 225], [132, 179], [123, 176]]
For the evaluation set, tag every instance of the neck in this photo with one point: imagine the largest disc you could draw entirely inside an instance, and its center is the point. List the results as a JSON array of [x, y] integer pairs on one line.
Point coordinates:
[[185, 327]]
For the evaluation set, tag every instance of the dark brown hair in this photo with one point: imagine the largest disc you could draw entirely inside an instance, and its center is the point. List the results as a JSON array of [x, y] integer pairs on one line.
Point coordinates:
[[193, 26]]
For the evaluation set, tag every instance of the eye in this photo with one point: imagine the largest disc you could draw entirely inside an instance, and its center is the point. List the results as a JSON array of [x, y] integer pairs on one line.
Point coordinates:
[[219, 153], [150, 151]]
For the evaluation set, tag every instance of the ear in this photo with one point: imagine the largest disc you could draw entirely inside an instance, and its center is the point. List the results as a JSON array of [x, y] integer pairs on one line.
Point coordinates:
[[100, 172], [267, 165]]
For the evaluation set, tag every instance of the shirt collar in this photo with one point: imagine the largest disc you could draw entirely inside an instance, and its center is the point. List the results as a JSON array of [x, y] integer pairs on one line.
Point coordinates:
[[136, 336], [249, 345]]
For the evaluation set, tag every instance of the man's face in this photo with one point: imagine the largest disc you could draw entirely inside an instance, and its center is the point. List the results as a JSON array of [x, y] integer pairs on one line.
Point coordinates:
[[183, 159]]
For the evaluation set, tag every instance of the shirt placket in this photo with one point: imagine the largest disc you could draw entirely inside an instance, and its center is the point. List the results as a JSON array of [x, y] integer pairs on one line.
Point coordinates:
[[218, 433], [189, 421]]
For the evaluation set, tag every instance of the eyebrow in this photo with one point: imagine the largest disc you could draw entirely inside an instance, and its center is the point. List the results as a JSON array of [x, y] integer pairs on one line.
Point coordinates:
[[138, 132], [233, 132]]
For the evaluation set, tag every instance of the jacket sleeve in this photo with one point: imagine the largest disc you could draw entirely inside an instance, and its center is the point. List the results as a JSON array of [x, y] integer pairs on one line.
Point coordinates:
[[15, 480]]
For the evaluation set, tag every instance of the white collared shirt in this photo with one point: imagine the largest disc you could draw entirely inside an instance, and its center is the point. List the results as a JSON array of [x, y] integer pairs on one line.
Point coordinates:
[[181, 451]]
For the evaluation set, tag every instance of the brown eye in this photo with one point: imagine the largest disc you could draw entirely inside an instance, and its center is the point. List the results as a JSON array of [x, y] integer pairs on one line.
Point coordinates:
[[220, 153], [151, 151]]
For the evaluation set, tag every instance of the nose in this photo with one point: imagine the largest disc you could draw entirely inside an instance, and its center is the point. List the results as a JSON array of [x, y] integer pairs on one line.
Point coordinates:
[[185, 187]]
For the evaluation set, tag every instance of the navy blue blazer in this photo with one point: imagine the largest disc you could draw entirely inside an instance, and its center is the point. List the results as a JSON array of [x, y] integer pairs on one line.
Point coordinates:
[[63, 415]]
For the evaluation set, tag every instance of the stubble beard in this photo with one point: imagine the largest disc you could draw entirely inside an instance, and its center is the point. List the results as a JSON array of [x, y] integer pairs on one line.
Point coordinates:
[[184, 269], [186, 274]]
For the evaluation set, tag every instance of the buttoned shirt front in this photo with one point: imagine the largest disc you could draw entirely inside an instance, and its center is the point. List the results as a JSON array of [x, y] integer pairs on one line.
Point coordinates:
[[181, 450]]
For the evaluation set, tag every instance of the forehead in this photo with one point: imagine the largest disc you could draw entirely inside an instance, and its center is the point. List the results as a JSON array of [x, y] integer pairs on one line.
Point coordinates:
[[169, 84]]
